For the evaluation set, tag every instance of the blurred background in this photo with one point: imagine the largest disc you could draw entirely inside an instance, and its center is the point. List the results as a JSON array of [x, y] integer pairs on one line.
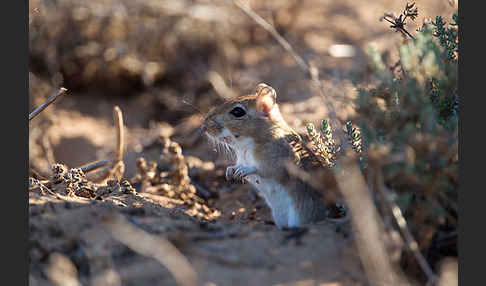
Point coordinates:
[[166, 63], [160, 61]]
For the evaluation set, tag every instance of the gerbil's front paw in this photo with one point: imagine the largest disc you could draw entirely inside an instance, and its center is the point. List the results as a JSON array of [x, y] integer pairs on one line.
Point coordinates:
[[238, 172]]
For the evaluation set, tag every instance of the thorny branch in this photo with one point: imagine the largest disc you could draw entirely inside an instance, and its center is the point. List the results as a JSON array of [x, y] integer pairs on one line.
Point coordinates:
[[46, 103]]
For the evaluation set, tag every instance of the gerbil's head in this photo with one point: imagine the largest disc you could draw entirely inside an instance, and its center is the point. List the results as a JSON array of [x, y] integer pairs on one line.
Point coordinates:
[[255, 117]]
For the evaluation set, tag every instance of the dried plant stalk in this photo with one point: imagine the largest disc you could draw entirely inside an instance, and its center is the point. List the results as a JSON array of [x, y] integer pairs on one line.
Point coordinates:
[[118, 167], [93, 166], [46, 103]]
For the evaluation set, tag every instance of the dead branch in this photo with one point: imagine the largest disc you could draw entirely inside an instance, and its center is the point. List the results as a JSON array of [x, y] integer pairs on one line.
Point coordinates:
[[46, 103], [149, 245]]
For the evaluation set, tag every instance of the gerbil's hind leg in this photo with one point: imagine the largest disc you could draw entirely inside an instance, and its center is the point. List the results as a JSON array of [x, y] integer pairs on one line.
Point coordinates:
[[238, 172]]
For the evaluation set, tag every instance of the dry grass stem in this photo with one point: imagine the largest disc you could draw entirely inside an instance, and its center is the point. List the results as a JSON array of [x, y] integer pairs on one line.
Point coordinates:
[[152, 246], [118, 116], [366, 223], [118, 167], [46, 103]]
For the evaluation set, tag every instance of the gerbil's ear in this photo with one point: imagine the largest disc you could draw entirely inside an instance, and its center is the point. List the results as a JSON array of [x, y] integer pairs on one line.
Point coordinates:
[[266, 98]]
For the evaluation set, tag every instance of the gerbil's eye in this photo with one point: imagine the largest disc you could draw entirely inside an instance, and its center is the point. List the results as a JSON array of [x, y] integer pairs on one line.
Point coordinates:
[[238, 112]]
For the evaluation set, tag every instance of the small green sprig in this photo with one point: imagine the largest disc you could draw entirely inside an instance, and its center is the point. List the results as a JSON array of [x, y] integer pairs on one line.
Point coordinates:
[[354, 136], [327, 132], [447, 35], [356, 141]]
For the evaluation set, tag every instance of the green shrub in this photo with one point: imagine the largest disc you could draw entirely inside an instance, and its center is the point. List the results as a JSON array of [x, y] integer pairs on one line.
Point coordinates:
[[414, 113], [411, 112]]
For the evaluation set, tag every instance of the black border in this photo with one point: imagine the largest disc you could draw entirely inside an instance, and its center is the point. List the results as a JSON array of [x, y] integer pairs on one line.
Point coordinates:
[[471, 193], [15, 134]]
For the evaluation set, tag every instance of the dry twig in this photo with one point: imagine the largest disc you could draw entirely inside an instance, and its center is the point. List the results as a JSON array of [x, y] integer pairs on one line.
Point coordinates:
[[93, 166], [46, 103], [37, 175], [149, 245], [410, 241]]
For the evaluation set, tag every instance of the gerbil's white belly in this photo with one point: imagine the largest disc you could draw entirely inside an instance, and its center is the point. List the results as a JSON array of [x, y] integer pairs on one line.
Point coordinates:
[[277, 198]]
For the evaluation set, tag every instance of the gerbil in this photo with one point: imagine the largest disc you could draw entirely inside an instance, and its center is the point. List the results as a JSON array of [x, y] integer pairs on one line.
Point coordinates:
[[253, 128]]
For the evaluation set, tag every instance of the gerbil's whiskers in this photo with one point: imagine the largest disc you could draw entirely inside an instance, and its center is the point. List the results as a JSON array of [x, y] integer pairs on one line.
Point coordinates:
[[228, 70], [221, 147], [199, 112]]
